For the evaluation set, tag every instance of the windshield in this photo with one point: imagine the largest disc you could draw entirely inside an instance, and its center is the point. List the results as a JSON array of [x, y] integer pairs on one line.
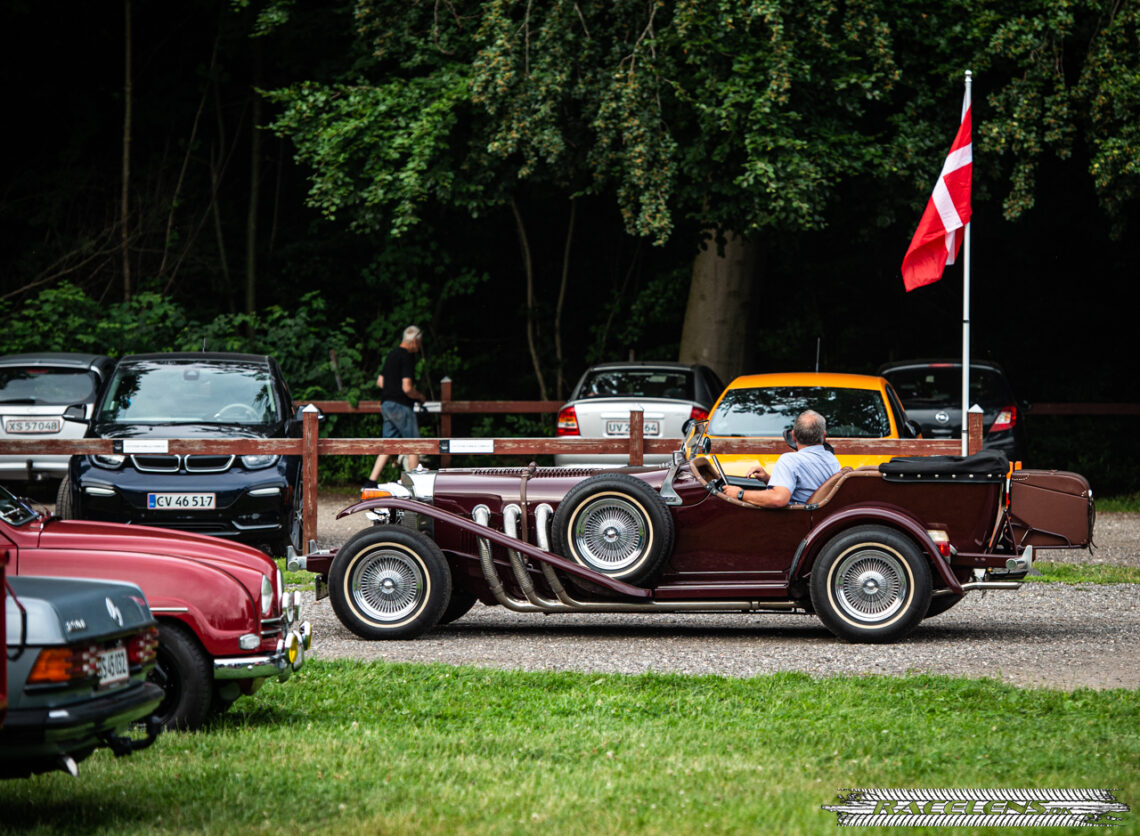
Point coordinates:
[[190, 392], [13, 511], [45, 386], [850, 413], [942, 386], [638, 383]]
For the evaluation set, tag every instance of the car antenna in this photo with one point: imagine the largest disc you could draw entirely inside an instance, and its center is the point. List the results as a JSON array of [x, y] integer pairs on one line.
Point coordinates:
[[817, 341], [203, 345]]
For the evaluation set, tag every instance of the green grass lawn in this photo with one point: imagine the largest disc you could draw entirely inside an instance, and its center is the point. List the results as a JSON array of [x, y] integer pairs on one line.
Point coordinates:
[[350, 747]]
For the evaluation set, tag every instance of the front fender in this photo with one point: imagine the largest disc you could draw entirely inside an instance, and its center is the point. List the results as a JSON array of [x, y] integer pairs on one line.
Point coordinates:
[[818, 537]]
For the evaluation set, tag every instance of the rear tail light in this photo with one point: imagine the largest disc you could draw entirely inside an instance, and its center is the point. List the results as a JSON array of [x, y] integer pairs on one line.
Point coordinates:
[[64, 665], [699, 414], [568, 421], [1005, 420], [143, 648], [941, 540]]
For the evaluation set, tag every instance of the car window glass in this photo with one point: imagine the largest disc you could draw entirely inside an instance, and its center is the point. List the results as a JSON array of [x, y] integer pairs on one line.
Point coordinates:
[[850, 413], [46, 386], [215, 393], [942, 386], [647, 383]]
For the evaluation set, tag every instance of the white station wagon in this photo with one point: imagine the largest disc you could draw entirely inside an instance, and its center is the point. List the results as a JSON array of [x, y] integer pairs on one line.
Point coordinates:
[[35, 391]]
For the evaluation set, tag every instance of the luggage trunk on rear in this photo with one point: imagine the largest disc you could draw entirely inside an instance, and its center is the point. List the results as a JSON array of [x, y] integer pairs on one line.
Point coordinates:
[[1050, 509]]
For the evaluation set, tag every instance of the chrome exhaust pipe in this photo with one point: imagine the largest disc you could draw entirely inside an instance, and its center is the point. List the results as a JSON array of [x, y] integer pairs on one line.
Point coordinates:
[[482, 515], [969, 587], [511, 515]]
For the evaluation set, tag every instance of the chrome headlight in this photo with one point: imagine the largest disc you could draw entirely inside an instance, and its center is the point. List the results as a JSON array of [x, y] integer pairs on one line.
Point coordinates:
[[266, 595], [257, 461], [110, 461]]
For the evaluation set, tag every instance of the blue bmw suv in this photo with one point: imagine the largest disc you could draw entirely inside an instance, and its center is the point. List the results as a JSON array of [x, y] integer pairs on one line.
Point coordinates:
[[255, 499]]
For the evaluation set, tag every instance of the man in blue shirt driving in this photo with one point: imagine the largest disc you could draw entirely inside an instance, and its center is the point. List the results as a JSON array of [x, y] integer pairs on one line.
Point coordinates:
[[796, 475]]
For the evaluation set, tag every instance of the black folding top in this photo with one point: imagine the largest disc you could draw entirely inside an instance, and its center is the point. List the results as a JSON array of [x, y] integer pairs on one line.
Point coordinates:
[[986, 466]]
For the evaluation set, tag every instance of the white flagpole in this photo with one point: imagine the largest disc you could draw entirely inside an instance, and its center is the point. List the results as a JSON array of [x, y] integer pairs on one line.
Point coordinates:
[[966, 305]]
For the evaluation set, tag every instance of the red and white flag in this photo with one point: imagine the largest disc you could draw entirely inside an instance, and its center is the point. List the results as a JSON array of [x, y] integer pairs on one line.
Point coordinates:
[[939, 235]]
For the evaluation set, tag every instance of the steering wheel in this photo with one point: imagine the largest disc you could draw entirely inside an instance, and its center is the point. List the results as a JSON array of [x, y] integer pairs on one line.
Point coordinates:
[[245, 410], [720, 480]]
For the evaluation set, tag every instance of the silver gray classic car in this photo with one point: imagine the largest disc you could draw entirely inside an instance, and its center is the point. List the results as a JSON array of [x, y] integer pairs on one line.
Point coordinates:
[[78, 654]]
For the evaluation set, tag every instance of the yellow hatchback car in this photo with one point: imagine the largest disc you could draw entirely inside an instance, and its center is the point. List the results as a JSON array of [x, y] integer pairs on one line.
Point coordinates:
[[765, 405]]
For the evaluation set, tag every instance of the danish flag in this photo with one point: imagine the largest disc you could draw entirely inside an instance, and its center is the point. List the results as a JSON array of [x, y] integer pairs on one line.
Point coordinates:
[[939, 235]]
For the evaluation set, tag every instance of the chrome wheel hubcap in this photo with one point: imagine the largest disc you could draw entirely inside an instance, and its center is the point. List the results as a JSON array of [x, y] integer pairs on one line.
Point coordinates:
[[387, 585], [611, 534], [870, 585]]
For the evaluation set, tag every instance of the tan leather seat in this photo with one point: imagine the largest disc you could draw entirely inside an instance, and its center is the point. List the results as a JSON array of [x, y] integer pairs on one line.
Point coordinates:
[[824, 491]]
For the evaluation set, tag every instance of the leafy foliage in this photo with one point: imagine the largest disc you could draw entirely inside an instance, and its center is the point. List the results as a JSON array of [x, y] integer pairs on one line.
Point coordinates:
[[66, 319]]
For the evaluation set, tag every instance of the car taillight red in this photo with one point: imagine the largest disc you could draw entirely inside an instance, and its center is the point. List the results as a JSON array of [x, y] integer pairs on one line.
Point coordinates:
[[699, 414], [1005, 420], [63, 665], [143, 648], [568, 421]]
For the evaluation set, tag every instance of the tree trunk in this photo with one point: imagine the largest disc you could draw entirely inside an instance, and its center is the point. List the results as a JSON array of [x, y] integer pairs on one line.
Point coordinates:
[[124, 208], [715, 332], [559, 388], [528, 272], [254, 190]]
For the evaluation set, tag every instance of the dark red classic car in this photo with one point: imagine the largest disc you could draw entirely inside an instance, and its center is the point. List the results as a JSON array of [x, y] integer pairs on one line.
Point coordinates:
[[872, 553], [226, 622]]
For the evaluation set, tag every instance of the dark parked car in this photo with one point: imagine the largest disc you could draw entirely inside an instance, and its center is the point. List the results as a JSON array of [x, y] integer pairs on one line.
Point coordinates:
[[931, 392], [35, 392], [78, 654], [873, 552], [669, 394], [227, 625], [153, 397]]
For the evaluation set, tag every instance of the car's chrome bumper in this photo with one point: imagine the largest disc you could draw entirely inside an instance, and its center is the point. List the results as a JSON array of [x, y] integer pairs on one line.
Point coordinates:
[[288, 657]]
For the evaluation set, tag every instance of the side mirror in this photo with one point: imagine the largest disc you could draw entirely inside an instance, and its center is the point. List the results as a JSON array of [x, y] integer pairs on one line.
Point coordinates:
[[912, 429], [790, 438], [76, 412]]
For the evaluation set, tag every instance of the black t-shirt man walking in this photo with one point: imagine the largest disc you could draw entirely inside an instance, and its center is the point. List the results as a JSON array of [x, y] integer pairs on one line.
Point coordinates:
[[399, 395]]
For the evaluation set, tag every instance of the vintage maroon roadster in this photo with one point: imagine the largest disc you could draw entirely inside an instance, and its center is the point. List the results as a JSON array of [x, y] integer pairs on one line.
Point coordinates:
[[872, 553]]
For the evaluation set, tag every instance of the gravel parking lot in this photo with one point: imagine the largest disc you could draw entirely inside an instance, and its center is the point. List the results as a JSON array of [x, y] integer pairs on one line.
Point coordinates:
[[1044, 634]]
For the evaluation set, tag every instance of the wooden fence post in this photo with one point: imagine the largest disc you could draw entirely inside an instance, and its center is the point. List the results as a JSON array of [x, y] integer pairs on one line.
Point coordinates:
[[636, 437], [444, 417], [310, 432], [974, 432]]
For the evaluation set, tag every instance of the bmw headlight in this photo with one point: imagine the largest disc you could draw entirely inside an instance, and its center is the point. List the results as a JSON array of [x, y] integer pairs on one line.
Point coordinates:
[[257, 461], [266, 595], [108, 460]]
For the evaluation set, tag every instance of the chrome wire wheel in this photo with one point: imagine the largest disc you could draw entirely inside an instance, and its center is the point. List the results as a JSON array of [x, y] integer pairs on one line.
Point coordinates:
[[870, 584], [611, 534], [387, 584]]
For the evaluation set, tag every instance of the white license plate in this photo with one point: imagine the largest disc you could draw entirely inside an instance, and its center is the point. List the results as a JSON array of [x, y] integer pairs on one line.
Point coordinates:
[[32, 426], [113, 667], [181, 501], [622, 428]]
